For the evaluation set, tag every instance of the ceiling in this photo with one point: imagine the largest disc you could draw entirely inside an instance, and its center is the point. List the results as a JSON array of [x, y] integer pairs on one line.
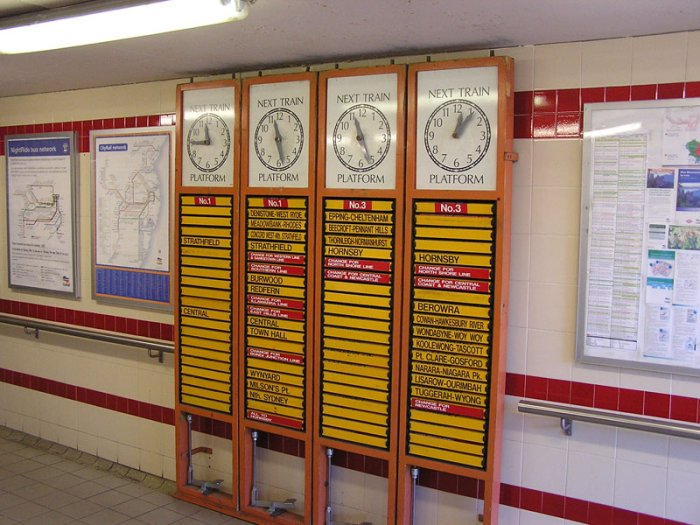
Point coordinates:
[[298, 32]]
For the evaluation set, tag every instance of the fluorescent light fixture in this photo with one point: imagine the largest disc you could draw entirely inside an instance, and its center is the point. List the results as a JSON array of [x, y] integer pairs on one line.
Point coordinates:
[[106, 21]]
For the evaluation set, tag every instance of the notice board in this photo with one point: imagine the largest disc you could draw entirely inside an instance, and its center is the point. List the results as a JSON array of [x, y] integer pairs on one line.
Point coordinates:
[[639, 271]]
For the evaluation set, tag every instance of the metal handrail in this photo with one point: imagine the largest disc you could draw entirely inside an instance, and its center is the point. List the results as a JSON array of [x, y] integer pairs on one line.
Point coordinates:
[[569, 413], [155, 348]]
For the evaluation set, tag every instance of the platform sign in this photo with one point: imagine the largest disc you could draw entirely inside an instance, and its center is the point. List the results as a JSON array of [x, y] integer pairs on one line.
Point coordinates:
[[450, 336], [357, 312], [205, 301], [276, 252]]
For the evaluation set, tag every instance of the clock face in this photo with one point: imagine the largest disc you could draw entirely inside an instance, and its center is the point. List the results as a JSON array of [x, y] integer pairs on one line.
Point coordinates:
[[279, 139], [362, 137], [208, 155], [457, 135], [362, 112], [457, 128], [208, 142], [279, 123]]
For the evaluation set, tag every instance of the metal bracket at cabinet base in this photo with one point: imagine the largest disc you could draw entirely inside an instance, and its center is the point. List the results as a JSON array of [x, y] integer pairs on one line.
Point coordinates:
[[274, 508], [205, 487], [329, 507]]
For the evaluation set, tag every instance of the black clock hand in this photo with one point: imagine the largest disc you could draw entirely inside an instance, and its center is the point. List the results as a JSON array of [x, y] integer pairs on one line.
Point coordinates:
[[361, 139], [278, 142], [207, 139], [461, 125]]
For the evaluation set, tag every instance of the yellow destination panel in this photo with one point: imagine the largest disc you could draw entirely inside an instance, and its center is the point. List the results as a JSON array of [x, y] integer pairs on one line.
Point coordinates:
[[275, 213], [449, 420], [206, 262], [271, 322], [454, 335], [453, 347], [205, 242], [276, 246], [463, 398], [265, 202], [356, 370], [221, 211], [364, 253], [454, 221], [209, 253], [195, 231], [224, 368], [357, 415], [352, 333], [356, 346], [444, 455], [206, 344], [363, 204], [423, 294], [275, 280], [356, 240], [218, 200], [286, 380], [355, 404], [440, 358], [204, 382], [205, 393], [447, 444], [275, 344], [274, 388], [351, 391], [206, 304], [210, 334], [275, 235], [449, 371], [204, 323], [206, 403], [275, 366], [449, 383], [438, 430], [359, 216], [277, 291], [451, 309], [220, 356], [358, 229], [219, 284], [453, 259], [355, 311], [351, 299], [352, 357], [453, 246], [348, 287], [451, 322], [354, 437], [209, 273], [363, 324], [219, 295], [217, 315], [362, 382], [467, 234], [460, 207], [355, 426], [276, 224], [272, 408], [272, 333], [192, 220], [275, 399]]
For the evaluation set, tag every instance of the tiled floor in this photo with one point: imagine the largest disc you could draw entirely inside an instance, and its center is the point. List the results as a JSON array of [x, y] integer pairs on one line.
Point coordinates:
[[42, 483]]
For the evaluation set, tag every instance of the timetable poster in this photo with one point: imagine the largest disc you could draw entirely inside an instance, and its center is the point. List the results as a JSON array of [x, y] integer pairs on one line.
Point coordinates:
[[642, 292]]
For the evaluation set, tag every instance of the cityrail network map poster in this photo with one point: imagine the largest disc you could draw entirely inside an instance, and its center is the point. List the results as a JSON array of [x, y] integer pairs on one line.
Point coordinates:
[[41, 191], [640, 236], [132, 171]]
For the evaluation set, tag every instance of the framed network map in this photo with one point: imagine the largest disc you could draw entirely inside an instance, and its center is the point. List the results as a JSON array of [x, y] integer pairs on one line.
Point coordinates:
[[132, 172], [639, 269], [41, 192]]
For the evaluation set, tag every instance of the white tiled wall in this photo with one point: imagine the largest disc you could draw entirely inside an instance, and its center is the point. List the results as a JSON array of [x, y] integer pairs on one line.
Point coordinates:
[[643, 473]]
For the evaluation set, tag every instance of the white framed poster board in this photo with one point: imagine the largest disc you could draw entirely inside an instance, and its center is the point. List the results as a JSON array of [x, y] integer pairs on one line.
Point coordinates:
[[639, 268], [42, 212], [132, 174]]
